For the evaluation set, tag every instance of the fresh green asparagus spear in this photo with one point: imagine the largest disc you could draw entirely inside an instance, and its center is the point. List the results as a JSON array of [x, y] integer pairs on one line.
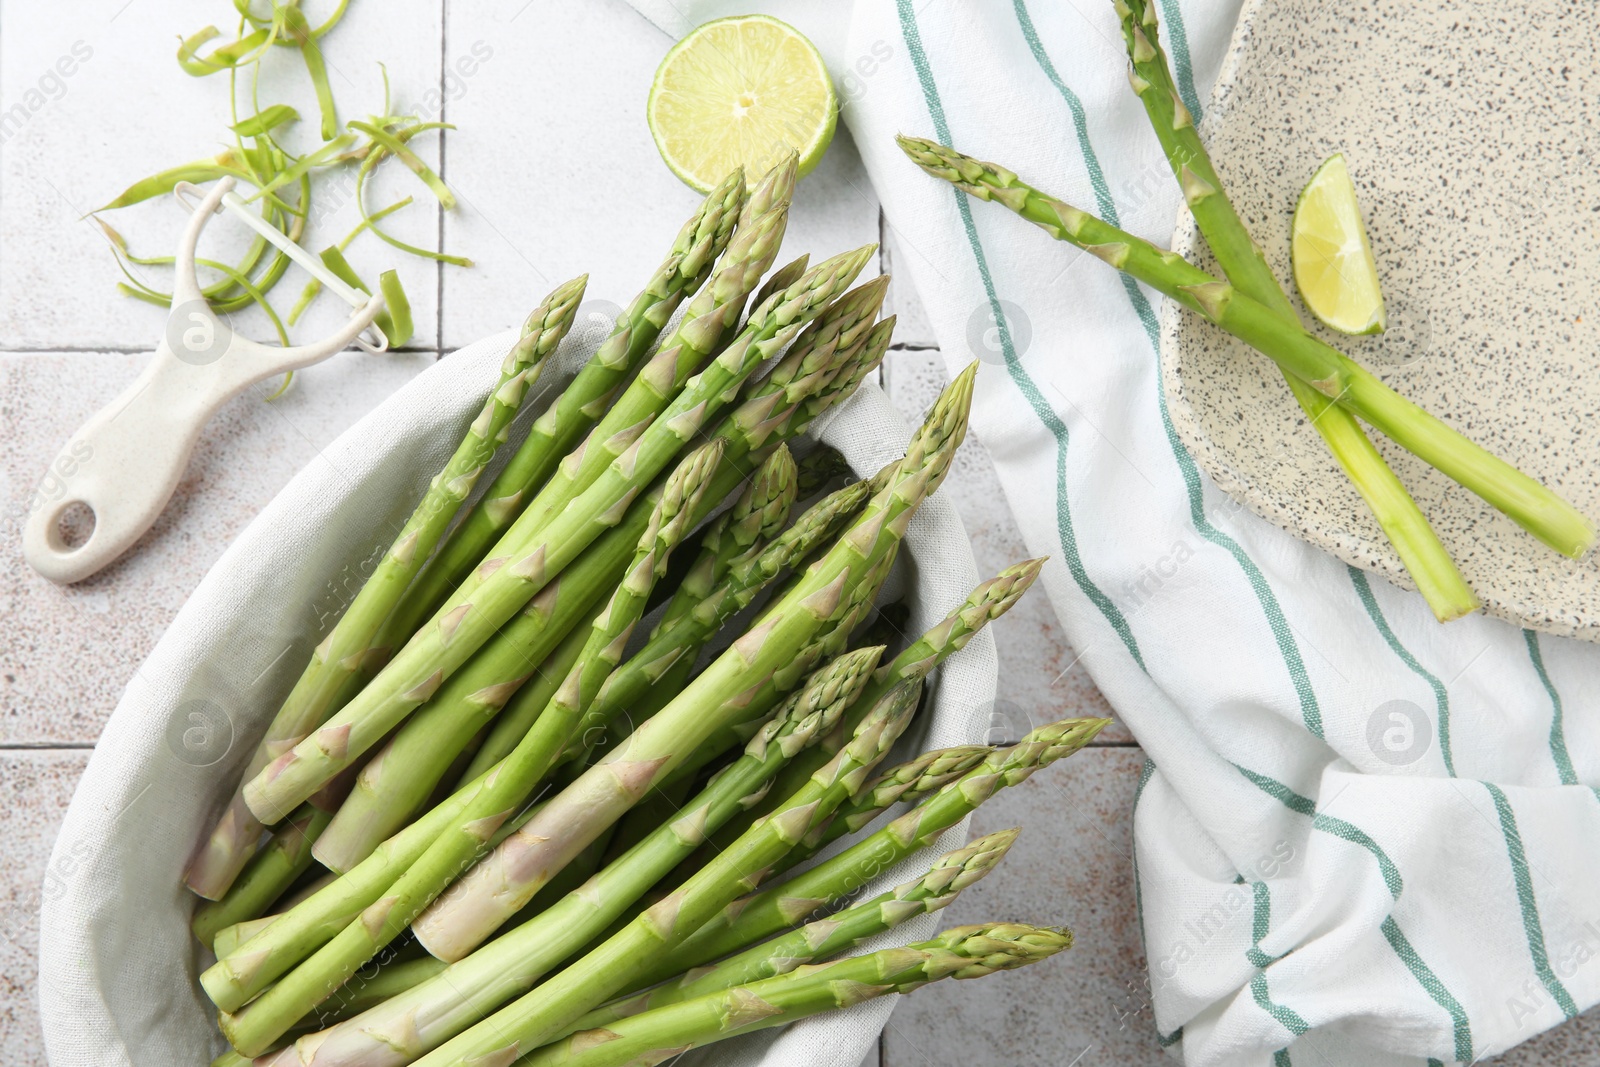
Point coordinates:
[[233, 980], [906, 784], [834, 639], [562, 425], [270, 871], [660, 1035], [650, 670], [744, 922], [756, 516], [392, 1034], [362, 993], [404, 772], [1240, 260], [507, 878], [466, 622], [348, 648], [823, 938], [231, 937], [560, 1000], [254, 1030], [699, 335], [989, 601], [744, 432], [1333, 374]]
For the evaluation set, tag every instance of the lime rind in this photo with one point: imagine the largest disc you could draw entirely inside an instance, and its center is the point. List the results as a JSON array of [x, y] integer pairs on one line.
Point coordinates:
[[1331, 255], [741, 91]]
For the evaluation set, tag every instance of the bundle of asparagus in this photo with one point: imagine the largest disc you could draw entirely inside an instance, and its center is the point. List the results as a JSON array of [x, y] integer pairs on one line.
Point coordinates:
[[478, 828], [1248, 302]]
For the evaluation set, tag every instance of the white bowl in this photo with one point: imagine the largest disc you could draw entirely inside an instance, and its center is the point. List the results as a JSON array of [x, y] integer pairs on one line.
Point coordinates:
[[117, 964]]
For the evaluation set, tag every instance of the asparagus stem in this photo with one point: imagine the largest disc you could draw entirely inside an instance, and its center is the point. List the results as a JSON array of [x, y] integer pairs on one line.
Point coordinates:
[[404, 772], [265, 877], [560, 427], [348, 648], [746, 921], [699, 335], [660, 1035], [393, 1033], [254, 1030], [536, 1018], [507, 878], [1333, 374], [990, 600], [822, 938], [1241, 261], [650, 672], [229, 938], [467, 621], [233, 980]]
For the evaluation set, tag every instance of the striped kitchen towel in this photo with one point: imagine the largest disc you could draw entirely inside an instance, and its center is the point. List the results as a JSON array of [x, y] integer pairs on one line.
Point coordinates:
[[1361, 837]]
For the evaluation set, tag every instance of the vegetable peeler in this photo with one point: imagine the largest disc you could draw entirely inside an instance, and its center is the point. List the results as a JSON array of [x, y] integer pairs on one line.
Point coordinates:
[[124, 463]]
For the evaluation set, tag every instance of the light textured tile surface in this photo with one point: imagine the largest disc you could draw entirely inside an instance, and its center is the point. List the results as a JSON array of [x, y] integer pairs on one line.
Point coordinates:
[[130, 111], [1071, 866], [62, 672], [34, 789], [1040, 678], [558, 175], [911, 327]]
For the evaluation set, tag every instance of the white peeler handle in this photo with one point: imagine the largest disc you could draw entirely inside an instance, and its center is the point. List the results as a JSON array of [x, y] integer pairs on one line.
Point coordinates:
[[125, 462]]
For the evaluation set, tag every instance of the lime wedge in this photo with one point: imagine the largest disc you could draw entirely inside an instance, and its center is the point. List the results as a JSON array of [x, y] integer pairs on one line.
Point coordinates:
[[1332, 259], [741, 91]]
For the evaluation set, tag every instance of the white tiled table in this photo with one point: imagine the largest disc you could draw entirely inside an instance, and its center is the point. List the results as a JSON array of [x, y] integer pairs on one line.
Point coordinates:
[[556, 175]]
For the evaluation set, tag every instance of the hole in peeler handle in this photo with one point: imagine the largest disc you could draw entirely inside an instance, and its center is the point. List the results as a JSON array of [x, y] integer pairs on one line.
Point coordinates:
[[71, 527]]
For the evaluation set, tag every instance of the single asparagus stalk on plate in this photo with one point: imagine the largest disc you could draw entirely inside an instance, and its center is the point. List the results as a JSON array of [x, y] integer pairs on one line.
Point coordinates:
[[348, 649], [562, 425], [538, 1017], [468, 620], [1240, 259], [823, 938], [747, 921], [431, 1013], [507, 878], [660, 1035], [255, 1029], [1333, 374]]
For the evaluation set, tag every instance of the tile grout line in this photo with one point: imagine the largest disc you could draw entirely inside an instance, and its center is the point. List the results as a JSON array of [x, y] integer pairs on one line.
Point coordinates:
[[444, 139], [115, 350]]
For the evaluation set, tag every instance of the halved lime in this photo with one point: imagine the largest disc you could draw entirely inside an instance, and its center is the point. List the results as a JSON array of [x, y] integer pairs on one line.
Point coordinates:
[[741, 91], [1332, 259]]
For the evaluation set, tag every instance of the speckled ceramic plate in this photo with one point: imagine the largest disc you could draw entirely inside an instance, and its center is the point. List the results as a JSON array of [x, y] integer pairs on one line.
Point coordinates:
[[1471, 131]]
